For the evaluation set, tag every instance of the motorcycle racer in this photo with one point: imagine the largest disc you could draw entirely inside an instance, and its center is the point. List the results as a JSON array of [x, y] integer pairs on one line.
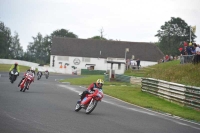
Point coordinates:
[[29, 71], [99, 84], [39, 72], [14, 66]]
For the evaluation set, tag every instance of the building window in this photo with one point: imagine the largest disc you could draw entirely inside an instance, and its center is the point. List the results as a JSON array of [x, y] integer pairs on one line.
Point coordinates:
[[119, 66], [64, 58], [85, 59]]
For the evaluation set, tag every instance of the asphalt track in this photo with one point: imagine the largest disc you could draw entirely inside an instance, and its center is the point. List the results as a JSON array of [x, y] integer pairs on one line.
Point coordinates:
[[48, 107]]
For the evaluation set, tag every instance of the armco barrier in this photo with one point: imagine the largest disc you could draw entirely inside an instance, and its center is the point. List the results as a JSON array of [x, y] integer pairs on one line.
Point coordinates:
[[122, 78], [92, 72], [186, 95]]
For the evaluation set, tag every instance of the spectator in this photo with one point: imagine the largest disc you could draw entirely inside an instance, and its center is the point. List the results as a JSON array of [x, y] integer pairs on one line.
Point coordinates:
[[166, 58], [197, 54], [181, 51], [132, 64], [138, 63], [181, 55], [171, 57], [127, 64]]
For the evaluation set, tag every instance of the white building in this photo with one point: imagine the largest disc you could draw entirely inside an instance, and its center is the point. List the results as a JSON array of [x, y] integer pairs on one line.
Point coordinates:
[[67, 53]]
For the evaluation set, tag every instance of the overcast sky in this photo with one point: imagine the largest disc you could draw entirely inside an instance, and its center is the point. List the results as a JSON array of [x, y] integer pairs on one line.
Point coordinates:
[[124, 20]]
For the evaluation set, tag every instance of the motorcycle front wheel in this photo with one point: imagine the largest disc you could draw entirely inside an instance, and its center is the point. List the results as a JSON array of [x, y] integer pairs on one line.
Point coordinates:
[[25, 86], [12, 78], [91, 106], [77, 107]]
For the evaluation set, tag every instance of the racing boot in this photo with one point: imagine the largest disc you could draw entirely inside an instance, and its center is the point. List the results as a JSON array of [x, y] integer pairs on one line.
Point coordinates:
[[19, 83], [79, 101]]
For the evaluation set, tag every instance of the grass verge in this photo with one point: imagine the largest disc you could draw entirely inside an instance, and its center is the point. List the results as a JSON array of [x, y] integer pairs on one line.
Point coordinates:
[[133, 94]]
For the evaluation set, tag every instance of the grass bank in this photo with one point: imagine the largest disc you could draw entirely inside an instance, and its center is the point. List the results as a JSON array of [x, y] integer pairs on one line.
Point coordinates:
[[172, 71]]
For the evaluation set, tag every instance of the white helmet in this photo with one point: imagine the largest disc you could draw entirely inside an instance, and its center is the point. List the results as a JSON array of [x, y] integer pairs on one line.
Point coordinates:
[[32, 69]]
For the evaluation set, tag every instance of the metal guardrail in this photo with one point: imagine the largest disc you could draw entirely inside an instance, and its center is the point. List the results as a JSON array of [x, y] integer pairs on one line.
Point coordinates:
[[186, 59], [186, 95], [122, 78], [118, 77]]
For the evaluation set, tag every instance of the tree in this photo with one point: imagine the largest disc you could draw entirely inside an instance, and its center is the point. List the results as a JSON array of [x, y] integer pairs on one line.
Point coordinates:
[[5, 40], [15, 49], [63, 33], [40, 49], [36, 49], [101, 37], [172, 35], [47, 42], [98, 38]]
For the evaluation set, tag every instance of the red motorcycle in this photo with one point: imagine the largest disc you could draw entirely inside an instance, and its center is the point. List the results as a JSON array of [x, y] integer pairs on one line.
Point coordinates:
[[29, 77], [90, 101]]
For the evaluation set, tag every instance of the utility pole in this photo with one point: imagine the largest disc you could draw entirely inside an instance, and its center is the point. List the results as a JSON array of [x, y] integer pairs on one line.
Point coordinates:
[[101, 33], [190, 34]]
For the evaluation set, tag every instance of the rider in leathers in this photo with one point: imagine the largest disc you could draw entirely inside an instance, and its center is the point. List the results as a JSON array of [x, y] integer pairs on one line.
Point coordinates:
[[15, 66], [31, 70], [99, 84]]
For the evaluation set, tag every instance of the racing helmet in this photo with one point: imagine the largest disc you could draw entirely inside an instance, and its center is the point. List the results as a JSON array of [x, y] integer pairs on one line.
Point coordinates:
[[32, 69], [99, 82]]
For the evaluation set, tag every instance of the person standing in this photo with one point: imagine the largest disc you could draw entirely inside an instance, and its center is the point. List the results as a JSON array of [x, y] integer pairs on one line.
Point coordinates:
[[138, 63], [197, 54], [132, 64]]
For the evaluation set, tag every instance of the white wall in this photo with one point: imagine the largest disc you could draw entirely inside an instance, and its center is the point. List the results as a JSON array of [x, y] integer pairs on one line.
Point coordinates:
[[100, 64], [20, 62], [29, 64], [146, 63]]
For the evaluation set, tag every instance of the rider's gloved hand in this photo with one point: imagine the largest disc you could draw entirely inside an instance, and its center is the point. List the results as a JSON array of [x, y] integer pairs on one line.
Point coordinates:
[[90, 91]]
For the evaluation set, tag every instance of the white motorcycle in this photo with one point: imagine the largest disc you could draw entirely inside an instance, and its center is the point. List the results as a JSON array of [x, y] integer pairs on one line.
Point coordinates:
[[13, 75], [39, 75], [46, 75]]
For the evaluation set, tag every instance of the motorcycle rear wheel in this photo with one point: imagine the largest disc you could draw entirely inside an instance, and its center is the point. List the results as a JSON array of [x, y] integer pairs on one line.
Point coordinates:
[[91, 106]]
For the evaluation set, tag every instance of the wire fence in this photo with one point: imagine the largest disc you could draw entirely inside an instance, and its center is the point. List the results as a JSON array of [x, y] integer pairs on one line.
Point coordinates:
[[186, 59]]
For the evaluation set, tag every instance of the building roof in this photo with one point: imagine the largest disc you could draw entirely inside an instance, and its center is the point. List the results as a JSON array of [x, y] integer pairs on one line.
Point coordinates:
[[93, 48]]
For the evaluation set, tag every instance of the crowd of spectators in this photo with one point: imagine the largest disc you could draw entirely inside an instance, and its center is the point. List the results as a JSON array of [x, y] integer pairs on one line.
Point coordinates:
[[131, 64], [189, 53]]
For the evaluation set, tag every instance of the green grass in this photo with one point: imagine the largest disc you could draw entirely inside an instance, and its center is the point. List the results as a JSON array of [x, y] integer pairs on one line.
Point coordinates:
[[135, 96], [173, 71]]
